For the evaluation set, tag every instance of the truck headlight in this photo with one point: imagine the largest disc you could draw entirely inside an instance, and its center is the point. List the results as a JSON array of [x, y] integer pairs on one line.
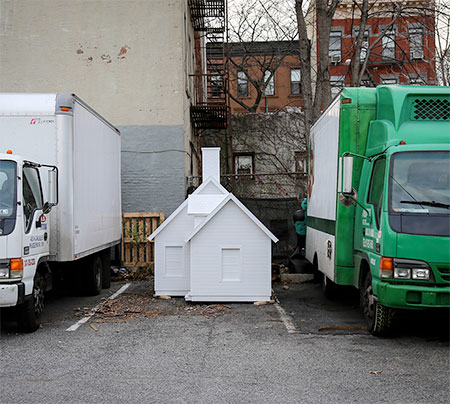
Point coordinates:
[[421, 273], [411, 269], [402, 273], [4, 273]]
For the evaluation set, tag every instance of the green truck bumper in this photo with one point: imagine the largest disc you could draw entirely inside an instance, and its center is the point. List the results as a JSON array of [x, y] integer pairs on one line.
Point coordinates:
[[411, 296]]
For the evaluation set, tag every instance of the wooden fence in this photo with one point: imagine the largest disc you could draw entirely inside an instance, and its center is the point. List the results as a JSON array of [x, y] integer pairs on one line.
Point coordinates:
[[137, 251]]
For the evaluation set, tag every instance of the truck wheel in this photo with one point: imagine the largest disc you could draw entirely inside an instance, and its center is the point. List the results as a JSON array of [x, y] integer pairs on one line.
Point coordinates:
[[379, 317], [94, 275], [30, 311], [328, 287], [106, 264], [317, 275]]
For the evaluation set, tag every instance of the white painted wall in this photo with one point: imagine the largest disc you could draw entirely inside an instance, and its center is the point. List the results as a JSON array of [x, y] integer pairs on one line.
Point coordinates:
[[131, 60], [324, 167], [125, 58], [249, 279], [175, 281]]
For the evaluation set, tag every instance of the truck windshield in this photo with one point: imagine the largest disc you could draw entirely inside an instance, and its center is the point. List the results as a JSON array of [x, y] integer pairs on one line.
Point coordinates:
[[420, 182], [419, 193], [8, 195]]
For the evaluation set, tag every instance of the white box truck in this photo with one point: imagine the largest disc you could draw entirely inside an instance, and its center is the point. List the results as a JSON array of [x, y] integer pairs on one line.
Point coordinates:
[[60, 199]]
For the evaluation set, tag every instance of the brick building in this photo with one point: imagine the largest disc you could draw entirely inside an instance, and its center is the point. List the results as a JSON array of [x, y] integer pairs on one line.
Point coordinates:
[[263, 76], [405, 53]]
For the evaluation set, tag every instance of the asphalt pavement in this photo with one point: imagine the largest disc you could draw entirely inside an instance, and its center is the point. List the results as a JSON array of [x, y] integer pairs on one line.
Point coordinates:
[[139, 349]]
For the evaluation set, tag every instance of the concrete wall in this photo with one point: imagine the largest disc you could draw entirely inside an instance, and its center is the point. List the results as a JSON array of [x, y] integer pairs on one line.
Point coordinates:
[[130, 61]]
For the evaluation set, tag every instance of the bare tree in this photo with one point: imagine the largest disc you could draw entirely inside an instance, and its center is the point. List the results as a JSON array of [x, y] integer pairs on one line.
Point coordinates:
[[319, 98], [442, 13], [405, 13], [262, 35], [430, 17]]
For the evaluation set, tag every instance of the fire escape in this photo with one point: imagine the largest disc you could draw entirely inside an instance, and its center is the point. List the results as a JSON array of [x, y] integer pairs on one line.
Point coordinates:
[[210, 109]]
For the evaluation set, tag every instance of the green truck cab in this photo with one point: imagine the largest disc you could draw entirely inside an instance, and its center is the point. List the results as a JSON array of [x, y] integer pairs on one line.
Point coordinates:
[[385, 229]]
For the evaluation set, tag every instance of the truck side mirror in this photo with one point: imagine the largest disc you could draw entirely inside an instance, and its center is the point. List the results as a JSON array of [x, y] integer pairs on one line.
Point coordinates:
[[52, 187], [347, 173]]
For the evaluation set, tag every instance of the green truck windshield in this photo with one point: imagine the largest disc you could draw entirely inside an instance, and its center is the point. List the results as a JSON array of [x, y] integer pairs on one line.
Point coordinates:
[[8, 195], [419, 190]]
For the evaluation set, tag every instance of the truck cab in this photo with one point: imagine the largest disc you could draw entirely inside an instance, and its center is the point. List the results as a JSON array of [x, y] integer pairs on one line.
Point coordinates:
[[382, 188], [24, 234]]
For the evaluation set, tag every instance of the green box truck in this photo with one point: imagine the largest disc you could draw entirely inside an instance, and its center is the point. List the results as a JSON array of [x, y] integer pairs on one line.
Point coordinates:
[[379, 198]]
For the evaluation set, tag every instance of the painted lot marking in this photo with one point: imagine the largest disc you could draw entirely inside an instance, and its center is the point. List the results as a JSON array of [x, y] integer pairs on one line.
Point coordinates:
[[287, 319], [96, 308]]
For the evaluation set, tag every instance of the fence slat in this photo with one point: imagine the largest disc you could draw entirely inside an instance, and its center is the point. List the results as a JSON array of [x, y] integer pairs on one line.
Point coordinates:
[[137, 251]]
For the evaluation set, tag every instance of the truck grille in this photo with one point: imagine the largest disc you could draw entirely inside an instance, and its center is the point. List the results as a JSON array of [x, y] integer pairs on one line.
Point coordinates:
[[444, 271], [431, 109]]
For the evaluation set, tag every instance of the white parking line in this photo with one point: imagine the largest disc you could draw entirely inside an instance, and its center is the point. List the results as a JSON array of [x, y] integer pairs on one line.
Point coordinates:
[[96, 308], [287, 319]]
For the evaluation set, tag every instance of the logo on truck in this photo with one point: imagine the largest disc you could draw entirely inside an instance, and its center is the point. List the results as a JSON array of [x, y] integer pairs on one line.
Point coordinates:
[[39, 121]]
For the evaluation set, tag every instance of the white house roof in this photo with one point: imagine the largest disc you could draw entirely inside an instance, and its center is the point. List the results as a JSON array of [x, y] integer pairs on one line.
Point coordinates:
[[203, 204], [231, 197], [208, 189]]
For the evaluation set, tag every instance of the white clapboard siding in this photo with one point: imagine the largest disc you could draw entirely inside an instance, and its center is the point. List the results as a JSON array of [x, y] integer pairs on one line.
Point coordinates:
[[230, 258], [212, 248]]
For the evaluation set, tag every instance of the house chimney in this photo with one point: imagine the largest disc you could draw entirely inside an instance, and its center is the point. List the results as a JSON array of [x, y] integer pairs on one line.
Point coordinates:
[[211, 163]]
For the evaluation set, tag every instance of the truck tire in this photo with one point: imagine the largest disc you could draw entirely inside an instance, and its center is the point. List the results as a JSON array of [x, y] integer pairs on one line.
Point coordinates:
[[29, 313], [328, 287], [317, 275], [94, 275], [378, 317], [106, 263]]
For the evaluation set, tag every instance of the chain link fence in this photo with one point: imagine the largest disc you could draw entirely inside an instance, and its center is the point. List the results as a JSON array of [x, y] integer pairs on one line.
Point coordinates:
[[273, 199], [261, 186]]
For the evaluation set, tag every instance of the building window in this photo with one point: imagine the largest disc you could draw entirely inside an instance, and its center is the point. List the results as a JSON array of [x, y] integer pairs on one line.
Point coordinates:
[[364, 45], [337, 84], [242, 81], [416, 43], [216, 85], [243, 163], [301, 163], [335, 47], [270, 86], [366, 81], [390, 80], [389, 45], [296, 81], [416, 80]]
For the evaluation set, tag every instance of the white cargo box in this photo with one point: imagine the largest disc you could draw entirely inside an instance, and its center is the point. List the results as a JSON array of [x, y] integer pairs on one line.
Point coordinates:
[[61, 130]]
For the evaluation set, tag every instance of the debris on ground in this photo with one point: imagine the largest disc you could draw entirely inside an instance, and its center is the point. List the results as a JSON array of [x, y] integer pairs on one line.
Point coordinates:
[[163, 297], [142, 303], [264, 303], [93, 327], [132, 274], [374, 372], [344, 328]]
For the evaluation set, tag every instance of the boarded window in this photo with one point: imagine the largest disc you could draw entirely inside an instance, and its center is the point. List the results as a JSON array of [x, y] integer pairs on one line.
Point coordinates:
[[334, 50], [243, 163], [269, 83], [174, 261], [416, 43], [231, 264], [242, 84], [388, 42]]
